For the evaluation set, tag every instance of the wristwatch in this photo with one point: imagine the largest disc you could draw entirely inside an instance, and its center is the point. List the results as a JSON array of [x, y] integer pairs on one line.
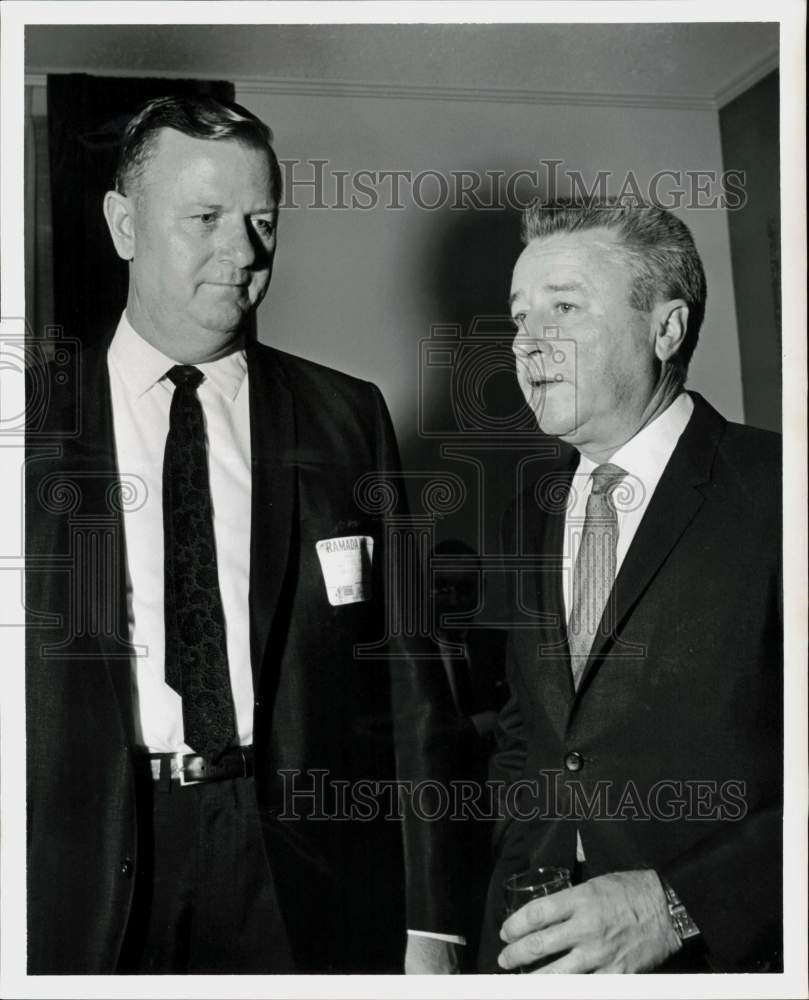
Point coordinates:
[[681, 921]]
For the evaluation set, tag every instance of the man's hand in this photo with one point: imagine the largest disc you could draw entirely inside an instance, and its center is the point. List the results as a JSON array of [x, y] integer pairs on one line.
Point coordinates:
[[428, 956], [613, 923]]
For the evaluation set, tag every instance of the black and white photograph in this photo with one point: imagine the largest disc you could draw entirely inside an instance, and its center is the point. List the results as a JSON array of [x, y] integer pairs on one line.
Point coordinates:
[[403, 418]]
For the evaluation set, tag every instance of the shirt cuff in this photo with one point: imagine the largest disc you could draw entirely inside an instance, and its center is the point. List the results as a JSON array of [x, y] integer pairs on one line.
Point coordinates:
[[451, 938]]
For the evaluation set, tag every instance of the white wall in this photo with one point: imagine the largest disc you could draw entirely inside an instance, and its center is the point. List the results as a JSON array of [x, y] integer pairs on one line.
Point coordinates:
[[359, 289]]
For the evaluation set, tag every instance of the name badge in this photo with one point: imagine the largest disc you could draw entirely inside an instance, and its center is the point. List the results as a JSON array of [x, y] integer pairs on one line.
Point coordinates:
[[346, 566]]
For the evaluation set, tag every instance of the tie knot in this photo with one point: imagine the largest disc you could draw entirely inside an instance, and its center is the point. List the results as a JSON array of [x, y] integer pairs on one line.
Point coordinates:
[[606, 477], [185, 375]]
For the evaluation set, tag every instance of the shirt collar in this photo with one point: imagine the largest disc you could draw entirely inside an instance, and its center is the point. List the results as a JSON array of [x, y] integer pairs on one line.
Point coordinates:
[[647, 453], [143, 365]]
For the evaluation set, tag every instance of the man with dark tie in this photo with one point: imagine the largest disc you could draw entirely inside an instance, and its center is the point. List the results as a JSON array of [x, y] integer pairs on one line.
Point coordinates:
[[203, 575], [645, 714]]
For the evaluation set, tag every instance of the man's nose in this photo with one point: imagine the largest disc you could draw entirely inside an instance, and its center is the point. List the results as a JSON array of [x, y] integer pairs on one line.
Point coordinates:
[[533, 333], [238, 246], [529, 335]]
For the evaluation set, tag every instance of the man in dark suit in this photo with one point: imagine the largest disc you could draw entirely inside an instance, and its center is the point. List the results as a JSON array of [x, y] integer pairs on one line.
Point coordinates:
[[644, 728], [202, 574]]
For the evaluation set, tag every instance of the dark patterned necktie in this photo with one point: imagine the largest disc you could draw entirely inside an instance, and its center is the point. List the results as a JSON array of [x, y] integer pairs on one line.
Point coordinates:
[[594, 575], [196, 651]]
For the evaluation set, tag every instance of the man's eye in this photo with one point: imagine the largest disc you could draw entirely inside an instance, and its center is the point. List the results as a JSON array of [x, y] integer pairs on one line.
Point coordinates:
[[564, 307], [207, 218], [266, 227]]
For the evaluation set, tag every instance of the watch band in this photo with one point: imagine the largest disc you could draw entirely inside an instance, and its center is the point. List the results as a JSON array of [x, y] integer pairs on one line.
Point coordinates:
[[681, 921]]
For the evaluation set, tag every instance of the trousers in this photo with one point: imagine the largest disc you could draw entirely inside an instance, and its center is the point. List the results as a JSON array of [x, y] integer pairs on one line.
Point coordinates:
[[204, 900]]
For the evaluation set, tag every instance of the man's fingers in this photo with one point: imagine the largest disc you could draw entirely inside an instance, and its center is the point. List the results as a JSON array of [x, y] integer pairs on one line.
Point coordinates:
[[569, 964], [538, 913], [538, 944]]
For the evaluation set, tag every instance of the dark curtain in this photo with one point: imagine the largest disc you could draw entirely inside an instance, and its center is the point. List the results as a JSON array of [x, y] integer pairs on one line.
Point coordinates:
[[749, 126], [86, 118]]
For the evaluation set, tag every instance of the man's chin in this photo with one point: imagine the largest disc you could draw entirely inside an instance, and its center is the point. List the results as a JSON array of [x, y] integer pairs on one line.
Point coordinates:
[[563, 431], [225, 322], [552, 423]]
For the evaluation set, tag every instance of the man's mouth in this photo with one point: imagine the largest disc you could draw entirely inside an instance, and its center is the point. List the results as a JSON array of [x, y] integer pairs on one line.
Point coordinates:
[[543, 382]]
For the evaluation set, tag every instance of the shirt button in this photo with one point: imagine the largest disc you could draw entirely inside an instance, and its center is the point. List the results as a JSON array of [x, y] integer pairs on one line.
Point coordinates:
[[127, 867], [574, 761]]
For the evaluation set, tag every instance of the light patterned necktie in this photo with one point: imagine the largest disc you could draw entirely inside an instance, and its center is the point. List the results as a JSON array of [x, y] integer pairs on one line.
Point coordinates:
[[196, 650], [594, 574]]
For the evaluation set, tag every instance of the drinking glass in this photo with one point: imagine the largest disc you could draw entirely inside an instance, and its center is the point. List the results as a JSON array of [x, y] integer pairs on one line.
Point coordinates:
[[532, 884]]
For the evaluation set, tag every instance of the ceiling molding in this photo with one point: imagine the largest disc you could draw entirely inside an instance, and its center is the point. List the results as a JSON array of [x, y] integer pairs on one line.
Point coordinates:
[[747, 79], [398, 91], [418, 92]]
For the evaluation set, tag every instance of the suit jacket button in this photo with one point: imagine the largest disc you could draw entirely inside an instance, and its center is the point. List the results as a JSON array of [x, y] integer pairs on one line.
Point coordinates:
[[127, 867], [574, 761]]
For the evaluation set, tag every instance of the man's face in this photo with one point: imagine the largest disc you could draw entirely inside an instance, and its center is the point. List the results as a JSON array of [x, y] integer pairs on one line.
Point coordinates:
[[585, 358], [204, 219]]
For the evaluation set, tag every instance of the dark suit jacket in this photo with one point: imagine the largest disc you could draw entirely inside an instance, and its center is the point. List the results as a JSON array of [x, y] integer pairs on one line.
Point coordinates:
[[487, 669], [438, 748], [677, 720], [485, 690], [314, 433]]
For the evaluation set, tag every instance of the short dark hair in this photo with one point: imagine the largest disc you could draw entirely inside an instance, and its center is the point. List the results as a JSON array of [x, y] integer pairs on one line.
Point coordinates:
[[201, 117], [658, 246]]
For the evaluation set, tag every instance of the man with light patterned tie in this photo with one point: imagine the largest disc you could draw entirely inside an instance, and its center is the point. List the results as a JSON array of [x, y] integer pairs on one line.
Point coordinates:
[[201, 573], [645, 717]]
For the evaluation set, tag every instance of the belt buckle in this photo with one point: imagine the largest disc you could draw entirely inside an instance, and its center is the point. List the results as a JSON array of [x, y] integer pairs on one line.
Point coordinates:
[[179, 758]]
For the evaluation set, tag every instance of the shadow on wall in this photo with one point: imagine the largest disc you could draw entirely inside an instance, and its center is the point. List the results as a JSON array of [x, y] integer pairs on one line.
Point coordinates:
[[462, 390], [475, 437]]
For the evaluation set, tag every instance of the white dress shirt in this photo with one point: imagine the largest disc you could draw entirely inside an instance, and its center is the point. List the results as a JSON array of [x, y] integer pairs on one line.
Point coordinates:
[[643, 457], [141, 400]]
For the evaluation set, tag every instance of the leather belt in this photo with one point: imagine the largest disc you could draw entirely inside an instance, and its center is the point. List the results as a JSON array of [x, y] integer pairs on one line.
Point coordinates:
[[195, 769]]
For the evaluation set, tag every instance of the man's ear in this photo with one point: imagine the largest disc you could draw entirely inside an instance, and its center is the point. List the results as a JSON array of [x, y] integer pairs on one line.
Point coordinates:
[[119, 213], [669, 325]]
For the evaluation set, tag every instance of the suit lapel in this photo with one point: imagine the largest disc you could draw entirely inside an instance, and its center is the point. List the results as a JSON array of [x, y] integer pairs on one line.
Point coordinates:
[[273, 447], [91, 457], [551, 656], [675, 503]]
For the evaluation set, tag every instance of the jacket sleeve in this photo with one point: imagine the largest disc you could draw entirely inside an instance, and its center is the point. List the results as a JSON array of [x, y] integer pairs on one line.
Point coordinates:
[[429, 733], [508, 761], [730, 884]]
